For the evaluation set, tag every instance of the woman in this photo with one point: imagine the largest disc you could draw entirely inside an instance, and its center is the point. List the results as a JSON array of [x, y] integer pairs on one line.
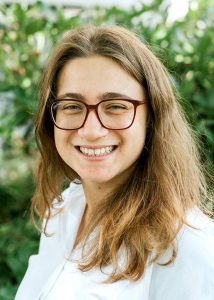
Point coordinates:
[[129, 224]]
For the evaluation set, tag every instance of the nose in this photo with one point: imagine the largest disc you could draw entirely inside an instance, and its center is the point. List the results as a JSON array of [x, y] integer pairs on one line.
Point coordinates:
[[92, 128]]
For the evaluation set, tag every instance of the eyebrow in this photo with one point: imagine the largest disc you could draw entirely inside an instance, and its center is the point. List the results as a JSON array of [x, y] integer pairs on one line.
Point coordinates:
[[105, 96]]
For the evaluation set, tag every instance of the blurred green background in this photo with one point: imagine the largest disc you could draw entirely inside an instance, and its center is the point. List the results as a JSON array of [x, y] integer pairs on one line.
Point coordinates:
[[27, 33]]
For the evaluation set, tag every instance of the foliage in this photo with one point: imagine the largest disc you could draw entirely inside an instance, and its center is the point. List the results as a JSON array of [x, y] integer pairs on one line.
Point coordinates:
[[17, 239], [27, 34]]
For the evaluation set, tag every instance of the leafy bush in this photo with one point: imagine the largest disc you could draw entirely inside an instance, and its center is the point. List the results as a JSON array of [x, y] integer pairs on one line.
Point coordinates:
[[17, 237], [17, 241], [27, 34]]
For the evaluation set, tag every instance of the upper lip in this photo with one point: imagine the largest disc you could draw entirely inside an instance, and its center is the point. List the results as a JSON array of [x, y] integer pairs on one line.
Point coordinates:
[[95, 147]]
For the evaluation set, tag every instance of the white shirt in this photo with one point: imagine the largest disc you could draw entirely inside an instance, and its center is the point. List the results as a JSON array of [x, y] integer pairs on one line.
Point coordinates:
[[51, 276]]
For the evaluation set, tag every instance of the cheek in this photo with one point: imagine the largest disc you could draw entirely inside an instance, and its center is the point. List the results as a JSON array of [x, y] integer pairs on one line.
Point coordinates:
[[141, 127], [136, 142], [57, 139], [61, 139]]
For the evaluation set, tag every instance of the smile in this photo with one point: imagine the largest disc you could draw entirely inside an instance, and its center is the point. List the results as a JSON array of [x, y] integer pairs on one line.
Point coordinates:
[[96, 152]]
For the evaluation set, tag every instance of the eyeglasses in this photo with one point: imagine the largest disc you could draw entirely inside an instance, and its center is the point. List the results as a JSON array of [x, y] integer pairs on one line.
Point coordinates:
[[115, 114]]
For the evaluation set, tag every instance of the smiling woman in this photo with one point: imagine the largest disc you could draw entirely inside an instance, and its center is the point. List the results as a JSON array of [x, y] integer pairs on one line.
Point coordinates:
[[129, 225], [102, 126]]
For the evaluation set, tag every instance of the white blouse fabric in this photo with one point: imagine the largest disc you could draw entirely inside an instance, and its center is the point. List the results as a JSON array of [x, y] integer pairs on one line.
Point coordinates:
[[52, 276]]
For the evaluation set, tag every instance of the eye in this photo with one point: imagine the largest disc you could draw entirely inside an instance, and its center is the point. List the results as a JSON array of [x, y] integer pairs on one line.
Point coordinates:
[[116, 107], [71, 107]]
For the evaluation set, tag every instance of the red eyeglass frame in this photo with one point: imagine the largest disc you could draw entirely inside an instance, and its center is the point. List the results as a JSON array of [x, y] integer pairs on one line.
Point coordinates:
[[94, 107]]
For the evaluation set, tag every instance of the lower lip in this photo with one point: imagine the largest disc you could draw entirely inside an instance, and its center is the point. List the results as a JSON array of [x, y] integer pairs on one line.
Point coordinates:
[[95, 158]]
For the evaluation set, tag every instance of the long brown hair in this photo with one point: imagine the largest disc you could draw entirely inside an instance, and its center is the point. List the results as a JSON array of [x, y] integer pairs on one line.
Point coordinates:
[[145, 213]]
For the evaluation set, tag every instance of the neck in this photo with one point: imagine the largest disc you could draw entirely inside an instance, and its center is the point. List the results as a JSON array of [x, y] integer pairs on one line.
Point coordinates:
[[94, 194]]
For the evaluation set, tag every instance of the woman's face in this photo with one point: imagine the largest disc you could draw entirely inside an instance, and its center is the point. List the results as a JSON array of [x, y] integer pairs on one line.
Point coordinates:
[[93, 78]]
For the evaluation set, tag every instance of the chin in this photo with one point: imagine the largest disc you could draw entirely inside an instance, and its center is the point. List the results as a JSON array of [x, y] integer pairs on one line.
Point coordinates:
[[96, 177]]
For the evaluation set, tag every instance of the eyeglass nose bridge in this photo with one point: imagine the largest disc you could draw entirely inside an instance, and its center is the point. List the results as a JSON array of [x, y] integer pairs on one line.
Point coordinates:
[[89, 108]]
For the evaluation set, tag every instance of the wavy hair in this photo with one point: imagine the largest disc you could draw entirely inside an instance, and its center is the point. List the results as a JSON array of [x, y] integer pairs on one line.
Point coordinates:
[[145, 213]]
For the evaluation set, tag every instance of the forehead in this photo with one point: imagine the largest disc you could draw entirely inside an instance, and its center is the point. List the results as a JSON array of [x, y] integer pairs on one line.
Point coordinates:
[[97, 75]]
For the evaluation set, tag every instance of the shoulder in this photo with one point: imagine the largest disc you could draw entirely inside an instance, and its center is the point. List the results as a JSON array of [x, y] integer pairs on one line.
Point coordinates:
[[72, 198], [64, 215], [68, 196], [191, 275], [196, 241], [54, 246]]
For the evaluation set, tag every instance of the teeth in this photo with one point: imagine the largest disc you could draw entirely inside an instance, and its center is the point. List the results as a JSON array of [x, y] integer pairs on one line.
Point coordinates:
[[96, 152], [102, 150], [90, 152]]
